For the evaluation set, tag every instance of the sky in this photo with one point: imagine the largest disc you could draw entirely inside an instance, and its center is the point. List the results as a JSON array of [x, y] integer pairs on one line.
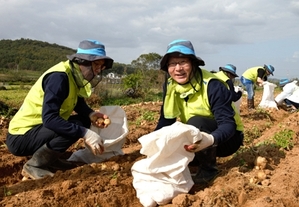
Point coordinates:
[[242, 33]]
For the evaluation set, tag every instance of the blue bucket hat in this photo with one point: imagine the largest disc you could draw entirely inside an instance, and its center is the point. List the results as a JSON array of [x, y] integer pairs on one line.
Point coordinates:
[[183, 48], [269, 68], [91, 50], [230, 69], [283, 82]]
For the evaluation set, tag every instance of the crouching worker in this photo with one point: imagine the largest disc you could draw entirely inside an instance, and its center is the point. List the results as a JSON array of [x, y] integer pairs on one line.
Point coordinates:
[[45, 125], [199, 98]]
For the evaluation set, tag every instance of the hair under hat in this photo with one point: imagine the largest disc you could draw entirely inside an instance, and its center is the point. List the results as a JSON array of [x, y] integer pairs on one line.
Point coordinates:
[[91, 50], [182, 47]]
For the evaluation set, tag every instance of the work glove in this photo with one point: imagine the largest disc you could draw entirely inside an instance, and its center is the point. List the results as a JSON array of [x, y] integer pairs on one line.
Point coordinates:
[[97, 119], [93, 142], [206, 141]]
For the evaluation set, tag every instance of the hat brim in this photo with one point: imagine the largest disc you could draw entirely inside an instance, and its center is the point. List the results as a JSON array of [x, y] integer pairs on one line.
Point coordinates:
[[266, 67], [229, 71], [108, 60], [163, 63]]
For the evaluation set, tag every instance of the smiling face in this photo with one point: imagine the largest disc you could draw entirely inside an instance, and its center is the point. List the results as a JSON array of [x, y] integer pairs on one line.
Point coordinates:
[[179, 68]]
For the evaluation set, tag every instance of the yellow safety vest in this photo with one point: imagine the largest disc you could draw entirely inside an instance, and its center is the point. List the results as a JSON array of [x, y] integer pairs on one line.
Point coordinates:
[[30, 113], [198, 103], [251, 73]]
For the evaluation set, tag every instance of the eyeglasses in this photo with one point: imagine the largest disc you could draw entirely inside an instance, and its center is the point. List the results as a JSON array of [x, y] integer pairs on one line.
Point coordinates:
[[99, 64], [182, 63]]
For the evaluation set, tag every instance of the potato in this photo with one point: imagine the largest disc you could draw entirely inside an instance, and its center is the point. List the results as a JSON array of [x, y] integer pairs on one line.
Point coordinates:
[[101, 121], [107, 122], [260, 163]]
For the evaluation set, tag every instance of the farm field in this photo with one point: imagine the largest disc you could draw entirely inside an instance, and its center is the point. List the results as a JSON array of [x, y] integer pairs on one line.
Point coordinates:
[[239, 184]]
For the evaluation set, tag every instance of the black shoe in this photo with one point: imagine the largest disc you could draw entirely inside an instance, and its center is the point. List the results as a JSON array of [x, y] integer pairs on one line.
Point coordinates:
[[61, 164], [205, 176]]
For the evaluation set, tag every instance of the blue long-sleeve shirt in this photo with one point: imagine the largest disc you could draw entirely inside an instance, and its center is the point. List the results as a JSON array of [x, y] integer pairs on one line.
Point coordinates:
[[235, 95], [56, 89], [220, 102]]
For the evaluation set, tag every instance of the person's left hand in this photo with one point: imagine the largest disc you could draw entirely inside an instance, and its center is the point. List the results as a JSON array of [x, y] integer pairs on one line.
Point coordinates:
[[99, 120], [206, 141]]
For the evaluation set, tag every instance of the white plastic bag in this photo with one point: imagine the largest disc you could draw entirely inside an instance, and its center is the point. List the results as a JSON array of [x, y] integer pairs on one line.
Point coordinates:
[[238, 102], [164, 173], [114, 137], [268, 96], [287, 91]]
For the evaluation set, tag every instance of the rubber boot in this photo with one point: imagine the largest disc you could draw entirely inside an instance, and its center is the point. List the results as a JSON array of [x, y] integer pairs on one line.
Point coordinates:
[[250, 104], [207, 169], [41, 162]]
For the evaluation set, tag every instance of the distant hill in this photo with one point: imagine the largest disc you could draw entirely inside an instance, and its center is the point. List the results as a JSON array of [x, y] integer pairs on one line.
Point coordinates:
[[35, 55], [27, 54]]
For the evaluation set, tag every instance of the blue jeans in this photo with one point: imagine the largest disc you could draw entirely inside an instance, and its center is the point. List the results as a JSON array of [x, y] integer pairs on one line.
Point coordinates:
[[249, 87]]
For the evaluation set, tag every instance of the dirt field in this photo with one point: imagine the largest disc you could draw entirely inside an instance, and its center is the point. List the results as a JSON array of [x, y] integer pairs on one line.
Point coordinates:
[[240, 183]]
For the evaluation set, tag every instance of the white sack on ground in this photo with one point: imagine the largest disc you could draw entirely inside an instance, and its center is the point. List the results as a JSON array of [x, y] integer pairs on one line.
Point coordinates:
[[114, 137], [268, 100], [164, 173], [287, 91]]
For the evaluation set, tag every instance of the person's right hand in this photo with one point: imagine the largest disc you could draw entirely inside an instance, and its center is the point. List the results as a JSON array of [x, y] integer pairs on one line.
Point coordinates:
[[206, 141], [94, 142]]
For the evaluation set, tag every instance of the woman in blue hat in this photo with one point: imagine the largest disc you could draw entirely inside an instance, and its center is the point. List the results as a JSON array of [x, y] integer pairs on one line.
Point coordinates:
[[199, 98], [255, 75], [228, 74], [44, 127]]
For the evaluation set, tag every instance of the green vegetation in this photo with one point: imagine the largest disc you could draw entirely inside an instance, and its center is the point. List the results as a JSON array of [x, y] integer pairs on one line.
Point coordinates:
[[6, 191], [147, 116], [284, 139], [26, 54], [24, 60]]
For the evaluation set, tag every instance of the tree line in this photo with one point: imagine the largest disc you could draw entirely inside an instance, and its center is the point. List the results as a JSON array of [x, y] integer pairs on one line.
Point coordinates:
[[35, 55]]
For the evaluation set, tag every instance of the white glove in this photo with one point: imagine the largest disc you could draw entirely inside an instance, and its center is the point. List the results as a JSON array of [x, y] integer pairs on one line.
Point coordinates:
[[93, 142], [206, 141]]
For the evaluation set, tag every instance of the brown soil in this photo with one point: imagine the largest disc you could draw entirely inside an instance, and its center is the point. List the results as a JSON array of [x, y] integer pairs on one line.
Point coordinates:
[[240, 183]]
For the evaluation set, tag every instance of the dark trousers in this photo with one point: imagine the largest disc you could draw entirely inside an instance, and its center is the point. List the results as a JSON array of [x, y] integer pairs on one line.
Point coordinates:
[[32, 140], [288, 102], [208, 125]]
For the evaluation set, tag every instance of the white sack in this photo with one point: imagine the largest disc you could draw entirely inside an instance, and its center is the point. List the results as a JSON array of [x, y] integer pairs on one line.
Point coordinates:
[[164, 173], [268, 96], [238, 102], [114, 137], [295, 96], [287, 91]]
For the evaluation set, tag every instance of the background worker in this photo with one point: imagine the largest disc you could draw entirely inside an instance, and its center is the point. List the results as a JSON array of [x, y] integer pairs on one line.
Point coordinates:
[[44, 126], [228, 74], [288, 99], [255, 75]]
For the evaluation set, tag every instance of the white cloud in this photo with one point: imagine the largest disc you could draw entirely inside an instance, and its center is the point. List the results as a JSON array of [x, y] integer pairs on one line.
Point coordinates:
[[224, 30]]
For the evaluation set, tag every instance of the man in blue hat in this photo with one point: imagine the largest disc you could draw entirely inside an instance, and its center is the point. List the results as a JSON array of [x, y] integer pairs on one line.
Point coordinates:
[[255, 75], [44, 127], [199, 98]]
